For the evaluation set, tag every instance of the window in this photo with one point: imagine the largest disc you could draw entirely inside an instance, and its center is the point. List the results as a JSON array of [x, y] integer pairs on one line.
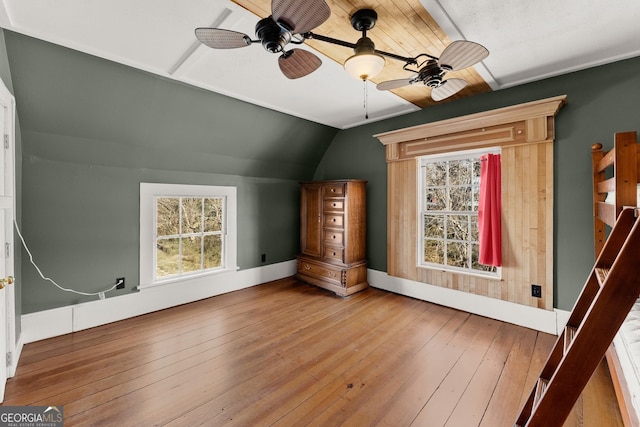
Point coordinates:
[[186, 231], [449, 193]]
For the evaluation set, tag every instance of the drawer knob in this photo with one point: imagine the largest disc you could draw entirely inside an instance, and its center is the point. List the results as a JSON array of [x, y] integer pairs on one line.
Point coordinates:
[[307, 267], [335, 204], [334, 220], [334, 254], [333, 237]]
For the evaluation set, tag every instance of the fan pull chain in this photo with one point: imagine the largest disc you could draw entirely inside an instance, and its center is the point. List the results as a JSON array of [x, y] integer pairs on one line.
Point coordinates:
[[366, 109]]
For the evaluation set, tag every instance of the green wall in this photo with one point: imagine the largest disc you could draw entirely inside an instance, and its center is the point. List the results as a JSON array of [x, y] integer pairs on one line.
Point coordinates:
[[601, 101], [93, 130]]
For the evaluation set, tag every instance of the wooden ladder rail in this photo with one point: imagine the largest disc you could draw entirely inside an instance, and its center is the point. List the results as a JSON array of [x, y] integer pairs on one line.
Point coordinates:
[[605, 301]]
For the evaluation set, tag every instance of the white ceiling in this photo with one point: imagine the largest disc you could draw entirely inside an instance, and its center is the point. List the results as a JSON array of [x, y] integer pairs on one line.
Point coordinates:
[[528, 41]]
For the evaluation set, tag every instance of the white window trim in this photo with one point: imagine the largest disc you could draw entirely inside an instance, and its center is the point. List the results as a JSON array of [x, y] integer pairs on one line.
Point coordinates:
[[148, 193], [456, 155]]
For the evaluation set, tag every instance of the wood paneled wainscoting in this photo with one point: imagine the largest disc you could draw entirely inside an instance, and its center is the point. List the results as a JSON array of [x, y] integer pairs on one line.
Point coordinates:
[[525, 136], [290, 354]]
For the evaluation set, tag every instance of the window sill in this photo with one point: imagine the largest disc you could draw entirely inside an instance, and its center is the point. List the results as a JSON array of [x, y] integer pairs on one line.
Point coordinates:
[[185, 279], [491, 276]]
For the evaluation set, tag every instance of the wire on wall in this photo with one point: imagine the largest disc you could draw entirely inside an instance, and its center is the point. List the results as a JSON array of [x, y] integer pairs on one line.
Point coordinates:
[[100, 294]]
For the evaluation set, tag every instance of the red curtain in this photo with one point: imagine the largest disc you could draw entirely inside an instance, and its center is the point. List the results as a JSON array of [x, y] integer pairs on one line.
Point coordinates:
[[489, 207]]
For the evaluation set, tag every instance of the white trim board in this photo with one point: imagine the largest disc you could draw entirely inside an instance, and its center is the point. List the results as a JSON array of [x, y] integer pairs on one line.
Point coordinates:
[[534, 318], [59, 321]]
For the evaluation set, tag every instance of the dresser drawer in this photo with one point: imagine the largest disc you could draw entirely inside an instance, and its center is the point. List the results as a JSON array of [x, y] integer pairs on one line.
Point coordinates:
[[333, 205], [321, 271], [333, 237], [332, 253], [343, 280], [334, 220], [334, 189]]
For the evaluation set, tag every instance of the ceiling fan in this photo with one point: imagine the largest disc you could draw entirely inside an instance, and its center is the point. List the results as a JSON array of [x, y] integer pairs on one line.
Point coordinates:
[[431, 70], [288, 21], [291, 21]]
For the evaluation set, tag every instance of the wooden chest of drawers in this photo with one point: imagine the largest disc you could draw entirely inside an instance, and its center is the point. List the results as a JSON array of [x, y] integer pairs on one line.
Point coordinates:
[[332, 235]]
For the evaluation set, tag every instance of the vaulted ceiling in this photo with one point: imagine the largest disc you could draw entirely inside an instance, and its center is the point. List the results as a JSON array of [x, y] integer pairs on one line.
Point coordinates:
[[527, 41]]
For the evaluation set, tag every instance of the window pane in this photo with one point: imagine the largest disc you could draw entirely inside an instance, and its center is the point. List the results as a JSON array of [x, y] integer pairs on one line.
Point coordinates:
[[168, 211], [434, 226], [460, 199], [458, 227], [449, 203], [213, 251], [476, 171], [191, 215], [191, 251], [167, 257], [435, 174], [474, 228], [457, 254], [434, 251], [436, 199], [476, 184], [460, 172], [213, 214]]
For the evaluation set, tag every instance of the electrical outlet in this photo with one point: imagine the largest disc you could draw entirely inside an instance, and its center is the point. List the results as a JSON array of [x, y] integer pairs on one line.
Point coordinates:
[[536, 291], [120, 283], [264, 258]]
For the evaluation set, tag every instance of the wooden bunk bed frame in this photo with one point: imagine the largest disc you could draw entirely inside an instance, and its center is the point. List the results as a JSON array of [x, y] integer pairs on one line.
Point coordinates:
[[617, 170], [624, 162]]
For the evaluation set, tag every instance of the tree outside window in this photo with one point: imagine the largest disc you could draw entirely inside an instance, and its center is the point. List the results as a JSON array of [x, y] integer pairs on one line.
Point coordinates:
[[449, 192], [189, 235]]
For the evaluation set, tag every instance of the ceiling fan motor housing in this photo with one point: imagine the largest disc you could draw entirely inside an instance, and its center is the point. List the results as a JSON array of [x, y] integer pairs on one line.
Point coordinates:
[[274, 37], [364, 44], [431, 74]]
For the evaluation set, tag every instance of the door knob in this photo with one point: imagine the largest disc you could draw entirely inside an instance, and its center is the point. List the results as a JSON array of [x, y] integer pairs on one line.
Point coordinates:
[[6, 281]]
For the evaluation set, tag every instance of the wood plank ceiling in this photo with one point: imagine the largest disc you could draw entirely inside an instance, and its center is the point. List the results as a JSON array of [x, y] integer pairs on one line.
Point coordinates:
[[404, 27]]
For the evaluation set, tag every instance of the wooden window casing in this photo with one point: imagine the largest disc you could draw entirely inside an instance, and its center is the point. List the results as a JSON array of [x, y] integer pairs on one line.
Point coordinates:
[[525, 134]]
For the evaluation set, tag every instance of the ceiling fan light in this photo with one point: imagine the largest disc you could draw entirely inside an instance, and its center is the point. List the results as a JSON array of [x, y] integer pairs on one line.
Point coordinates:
[[365, 64]]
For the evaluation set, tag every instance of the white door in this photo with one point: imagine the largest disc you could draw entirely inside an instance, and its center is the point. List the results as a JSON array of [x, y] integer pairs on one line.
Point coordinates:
[[7, 213]]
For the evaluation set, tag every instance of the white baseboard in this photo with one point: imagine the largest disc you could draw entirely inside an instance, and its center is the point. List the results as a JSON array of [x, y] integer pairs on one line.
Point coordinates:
[[529, 317], [563, 318], [59, 321]]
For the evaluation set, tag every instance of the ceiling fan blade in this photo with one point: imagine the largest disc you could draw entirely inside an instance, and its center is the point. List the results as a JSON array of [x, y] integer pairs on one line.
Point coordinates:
[[218, 38], [462, 54], [300, 16], [393, 84], [449, 87], [298, 63]]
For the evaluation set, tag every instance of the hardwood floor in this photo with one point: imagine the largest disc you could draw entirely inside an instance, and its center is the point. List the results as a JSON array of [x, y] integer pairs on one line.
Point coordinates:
[[289, 354]]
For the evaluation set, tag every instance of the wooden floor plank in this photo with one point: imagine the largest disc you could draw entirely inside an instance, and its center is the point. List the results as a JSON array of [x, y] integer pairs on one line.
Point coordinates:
[[423, 331], [313, 358], [106, 364], [435, 363], [471, 406], [599, 407], [374, 380], [246, 356], [286, 353], [440, 406]]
